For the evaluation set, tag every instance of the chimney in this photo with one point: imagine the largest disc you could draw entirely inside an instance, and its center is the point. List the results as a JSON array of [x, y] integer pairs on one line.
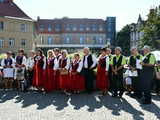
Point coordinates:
[[38, 18]]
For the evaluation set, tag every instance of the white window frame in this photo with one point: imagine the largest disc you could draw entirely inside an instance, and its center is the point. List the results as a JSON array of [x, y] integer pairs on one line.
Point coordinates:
[[23, 27], [1, 42]]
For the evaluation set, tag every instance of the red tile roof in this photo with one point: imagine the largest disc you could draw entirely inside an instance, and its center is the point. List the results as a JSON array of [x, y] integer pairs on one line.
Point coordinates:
[[12, 10]]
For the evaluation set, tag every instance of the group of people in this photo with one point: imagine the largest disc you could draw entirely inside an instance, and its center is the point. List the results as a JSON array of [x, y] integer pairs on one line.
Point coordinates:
[[58, 71]]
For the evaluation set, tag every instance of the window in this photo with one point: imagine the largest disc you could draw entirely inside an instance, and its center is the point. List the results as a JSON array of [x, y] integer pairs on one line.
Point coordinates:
[[11, 42], [49, 28], [81, 27], [67, 40], [109, 29], [50, 40], [81, 40], [88, 28], [23, 42], [1, 25], [57, 28], [41, 27], [94, 39], [100, 28], [94, 27], [100, 40], [23, 27], [68, 28], [1, 43], [74, 28]]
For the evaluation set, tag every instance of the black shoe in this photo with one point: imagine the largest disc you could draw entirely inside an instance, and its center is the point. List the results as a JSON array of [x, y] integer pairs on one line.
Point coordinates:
[[114, 95], [146, 102], [120, 94]]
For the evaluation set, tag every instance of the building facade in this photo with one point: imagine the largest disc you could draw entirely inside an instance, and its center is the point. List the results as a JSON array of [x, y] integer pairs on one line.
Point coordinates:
[[16, 28], [71, 33], [111, 30], [136, 34]]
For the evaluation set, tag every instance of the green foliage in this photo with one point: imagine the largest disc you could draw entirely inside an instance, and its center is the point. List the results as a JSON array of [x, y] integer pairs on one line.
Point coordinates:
[[123, 39], [151, 29]]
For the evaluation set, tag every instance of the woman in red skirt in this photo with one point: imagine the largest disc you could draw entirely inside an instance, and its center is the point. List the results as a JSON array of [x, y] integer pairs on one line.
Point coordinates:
[[102, 82], [39, 70], [77, 80], [50, 84], [64, 65]]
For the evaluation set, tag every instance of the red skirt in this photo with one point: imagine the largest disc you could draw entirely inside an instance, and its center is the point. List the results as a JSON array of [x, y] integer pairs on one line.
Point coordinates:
[[77, 82], [65, 83], [57, 80], [50, 84], [102, 81], [39, 77]]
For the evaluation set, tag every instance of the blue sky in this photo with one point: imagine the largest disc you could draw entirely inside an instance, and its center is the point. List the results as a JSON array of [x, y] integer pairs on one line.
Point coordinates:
[[126, 11]]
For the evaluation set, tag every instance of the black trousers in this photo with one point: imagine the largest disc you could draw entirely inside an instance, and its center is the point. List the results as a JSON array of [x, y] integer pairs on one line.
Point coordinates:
[[110, 79], [117, 84], [136, 84], [89, 79], [29, 78]]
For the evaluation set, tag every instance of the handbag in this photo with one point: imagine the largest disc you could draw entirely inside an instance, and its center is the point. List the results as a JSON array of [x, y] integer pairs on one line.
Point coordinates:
[[158, 74], [63, 72]]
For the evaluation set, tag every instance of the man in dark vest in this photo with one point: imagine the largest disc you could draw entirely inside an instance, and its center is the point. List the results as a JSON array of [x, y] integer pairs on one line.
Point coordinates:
[[134, 64], [147, 75], [118, 61], [89, 64], [109, 53]]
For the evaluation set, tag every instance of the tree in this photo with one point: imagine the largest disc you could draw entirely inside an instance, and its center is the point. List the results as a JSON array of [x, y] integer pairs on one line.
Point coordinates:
[[123, 39], [152, 29]]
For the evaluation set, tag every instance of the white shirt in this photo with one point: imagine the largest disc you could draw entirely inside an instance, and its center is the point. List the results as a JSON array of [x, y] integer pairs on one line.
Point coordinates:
[[30, 62], [3, 62], [86, 62]]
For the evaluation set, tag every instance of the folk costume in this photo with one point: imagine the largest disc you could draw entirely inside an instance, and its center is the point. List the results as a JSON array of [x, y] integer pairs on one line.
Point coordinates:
[[57, 73], [134, 65], [102, 82], [52, 65], [30, 71], [117, 64], [20, 71], [39, 76], [147, 76], [8, 71], [77, 80], [65, 83], [89, 64]]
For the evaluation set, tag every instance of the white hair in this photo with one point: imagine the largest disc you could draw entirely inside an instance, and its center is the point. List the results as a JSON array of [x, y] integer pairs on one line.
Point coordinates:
[[86, 48], [134, 48], [146, 47], [118, 48], [64, 51]]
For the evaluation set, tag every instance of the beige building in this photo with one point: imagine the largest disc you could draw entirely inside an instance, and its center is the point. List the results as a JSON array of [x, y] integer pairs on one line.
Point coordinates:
[[16, 28]]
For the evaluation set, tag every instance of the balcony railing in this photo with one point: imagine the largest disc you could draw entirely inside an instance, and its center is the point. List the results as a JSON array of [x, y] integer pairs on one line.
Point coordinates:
[[71, 45]]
